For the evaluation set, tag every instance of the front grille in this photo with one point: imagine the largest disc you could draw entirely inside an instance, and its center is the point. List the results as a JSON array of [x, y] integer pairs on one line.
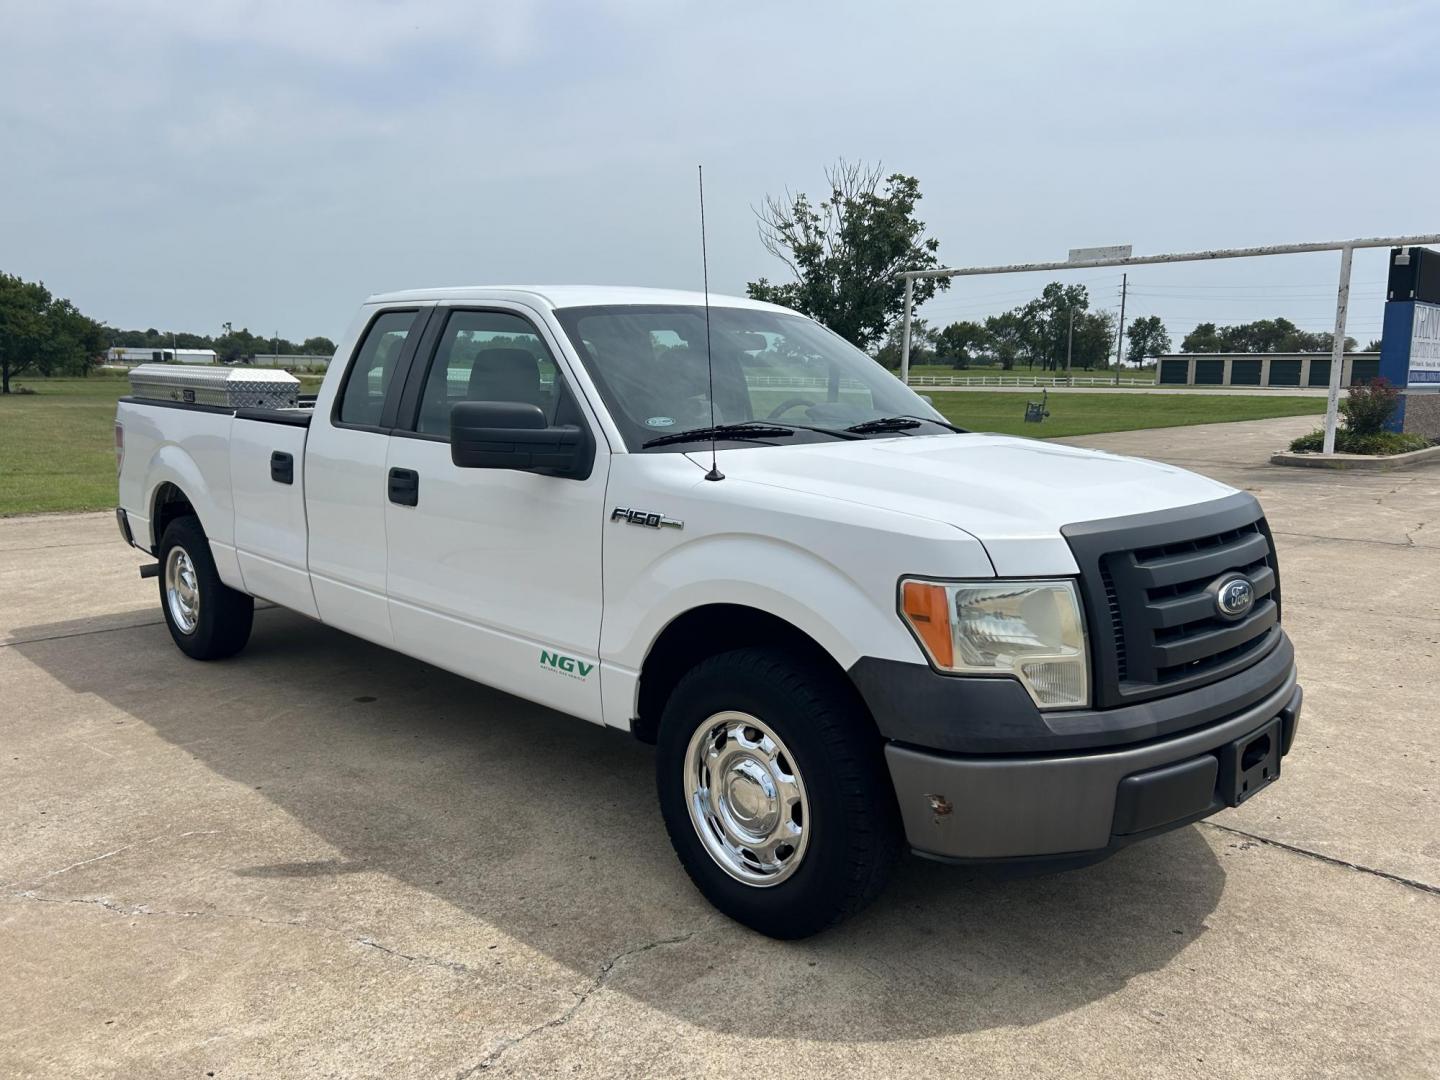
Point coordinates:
[[1149, 586]]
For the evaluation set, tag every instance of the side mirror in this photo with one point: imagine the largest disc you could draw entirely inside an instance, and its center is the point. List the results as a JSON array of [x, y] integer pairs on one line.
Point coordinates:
[[512, 435]]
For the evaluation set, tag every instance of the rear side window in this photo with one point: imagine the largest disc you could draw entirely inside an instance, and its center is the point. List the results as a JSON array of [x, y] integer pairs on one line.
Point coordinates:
[[363, 397], [487, 356]]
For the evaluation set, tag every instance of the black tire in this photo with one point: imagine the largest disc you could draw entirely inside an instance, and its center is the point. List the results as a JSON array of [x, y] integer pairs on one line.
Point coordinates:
[[221, 624], [854, 835]]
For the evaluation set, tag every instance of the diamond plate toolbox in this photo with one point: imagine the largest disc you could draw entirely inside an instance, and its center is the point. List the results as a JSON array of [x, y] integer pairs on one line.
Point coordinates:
[[229, 388]]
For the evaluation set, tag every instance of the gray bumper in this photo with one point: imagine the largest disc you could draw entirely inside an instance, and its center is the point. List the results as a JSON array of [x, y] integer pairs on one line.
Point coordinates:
[[1065, 804]]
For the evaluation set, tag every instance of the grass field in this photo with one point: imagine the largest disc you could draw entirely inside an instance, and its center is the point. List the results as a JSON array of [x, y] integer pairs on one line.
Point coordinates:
[[57, 445], [1085, 414]]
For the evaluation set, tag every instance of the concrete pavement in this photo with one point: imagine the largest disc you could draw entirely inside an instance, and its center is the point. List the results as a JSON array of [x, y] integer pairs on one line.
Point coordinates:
[[321, 858]]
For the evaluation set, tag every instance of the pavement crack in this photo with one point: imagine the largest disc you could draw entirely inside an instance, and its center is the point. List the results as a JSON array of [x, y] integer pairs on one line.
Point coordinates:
[[602, 977], [143, 909], [429, 961], [1347, 539], [112, 854], [1434, 890]]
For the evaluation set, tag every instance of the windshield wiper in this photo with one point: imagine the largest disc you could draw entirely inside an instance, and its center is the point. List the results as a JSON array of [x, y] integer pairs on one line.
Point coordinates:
[[896, 423], [883, 423], [748, 429]]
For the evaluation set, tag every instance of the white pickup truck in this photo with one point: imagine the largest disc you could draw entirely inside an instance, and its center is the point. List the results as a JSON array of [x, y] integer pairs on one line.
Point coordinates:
[[848, 626]]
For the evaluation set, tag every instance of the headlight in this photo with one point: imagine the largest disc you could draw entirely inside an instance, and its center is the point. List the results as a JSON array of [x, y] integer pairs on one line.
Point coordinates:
[[1031, 630]]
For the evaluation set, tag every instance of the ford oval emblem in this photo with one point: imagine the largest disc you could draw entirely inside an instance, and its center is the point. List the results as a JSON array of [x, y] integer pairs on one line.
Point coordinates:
[[1234, 597]]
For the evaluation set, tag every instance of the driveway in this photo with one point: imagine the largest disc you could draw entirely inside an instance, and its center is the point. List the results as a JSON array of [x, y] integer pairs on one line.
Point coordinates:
[[323, 859]]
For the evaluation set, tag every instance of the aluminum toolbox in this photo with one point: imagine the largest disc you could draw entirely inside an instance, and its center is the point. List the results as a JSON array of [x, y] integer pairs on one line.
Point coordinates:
[[227, 387]]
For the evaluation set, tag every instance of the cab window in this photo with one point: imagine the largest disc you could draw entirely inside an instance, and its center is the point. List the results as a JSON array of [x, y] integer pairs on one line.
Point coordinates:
[[487, 356]]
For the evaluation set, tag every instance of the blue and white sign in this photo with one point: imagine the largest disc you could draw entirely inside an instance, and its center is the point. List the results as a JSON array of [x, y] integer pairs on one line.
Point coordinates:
[[1425, 346]]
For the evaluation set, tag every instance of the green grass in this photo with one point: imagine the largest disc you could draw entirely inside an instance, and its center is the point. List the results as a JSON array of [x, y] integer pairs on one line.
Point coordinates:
[[57, 445], [1086, 414]]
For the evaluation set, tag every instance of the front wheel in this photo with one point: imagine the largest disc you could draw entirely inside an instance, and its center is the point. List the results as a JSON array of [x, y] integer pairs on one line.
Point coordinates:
[[208, 620], [774, 792]]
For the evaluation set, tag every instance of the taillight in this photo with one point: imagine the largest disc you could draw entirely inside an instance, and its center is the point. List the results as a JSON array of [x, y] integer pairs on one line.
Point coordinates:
[[119, 447]]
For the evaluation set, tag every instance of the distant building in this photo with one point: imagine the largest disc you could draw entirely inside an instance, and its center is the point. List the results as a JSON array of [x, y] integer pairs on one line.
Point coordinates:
[[302, 361], [1262, 369], [124, 354]]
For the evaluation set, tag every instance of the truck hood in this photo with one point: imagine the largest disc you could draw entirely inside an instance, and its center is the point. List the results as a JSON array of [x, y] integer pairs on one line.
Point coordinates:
[[1011, 494]]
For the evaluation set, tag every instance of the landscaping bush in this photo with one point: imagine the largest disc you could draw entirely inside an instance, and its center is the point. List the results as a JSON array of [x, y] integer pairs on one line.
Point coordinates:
[[1351, 442], [1368, 406], [1363, 431]]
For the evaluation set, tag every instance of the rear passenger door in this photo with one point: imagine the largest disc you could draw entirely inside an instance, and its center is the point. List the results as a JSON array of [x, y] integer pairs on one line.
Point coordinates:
[[345, 483], [495, 573]]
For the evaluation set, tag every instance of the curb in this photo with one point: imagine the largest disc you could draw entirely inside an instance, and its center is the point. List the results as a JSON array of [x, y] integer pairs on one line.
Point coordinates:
[[1358, 462]]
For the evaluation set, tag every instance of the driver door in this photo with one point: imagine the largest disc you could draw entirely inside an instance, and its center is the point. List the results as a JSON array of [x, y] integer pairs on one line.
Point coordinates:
[[495, 573]]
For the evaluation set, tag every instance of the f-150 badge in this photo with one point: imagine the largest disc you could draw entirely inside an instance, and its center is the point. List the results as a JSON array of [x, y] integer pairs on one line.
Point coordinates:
[[647, 518]]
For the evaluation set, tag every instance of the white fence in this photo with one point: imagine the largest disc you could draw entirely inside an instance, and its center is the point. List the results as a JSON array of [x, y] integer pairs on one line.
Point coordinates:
[[1027, 380]]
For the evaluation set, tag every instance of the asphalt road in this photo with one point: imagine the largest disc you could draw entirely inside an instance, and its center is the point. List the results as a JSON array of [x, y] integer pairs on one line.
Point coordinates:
[[321, 859]]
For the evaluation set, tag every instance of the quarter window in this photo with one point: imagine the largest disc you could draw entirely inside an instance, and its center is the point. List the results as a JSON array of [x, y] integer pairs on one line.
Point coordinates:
[[369, 378]]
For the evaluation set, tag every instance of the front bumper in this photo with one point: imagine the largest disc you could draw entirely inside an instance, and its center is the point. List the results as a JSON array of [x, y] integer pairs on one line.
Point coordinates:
[[1074, 804]]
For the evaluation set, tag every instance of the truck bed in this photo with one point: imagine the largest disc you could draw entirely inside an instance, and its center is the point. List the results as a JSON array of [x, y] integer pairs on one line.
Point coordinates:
[[225, 459]]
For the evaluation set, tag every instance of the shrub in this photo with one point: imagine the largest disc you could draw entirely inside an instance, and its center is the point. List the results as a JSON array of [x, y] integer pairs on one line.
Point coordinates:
[[1368, 406], [1351, 442]]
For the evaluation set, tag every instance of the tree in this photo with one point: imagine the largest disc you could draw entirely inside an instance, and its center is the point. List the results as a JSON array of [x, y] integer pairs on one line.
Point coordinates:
[[922, 345], [1204, 338], [847, 249], [1374, 346], [318, 346], [1148, 337], [41, 333], [1260, 336], [961, 343], [1094, 339], [1008, 337]]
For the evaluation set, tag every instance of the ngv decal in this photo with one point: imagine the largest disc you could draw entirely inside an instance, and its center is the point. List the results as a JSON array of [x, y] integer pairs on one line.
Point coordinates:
[[565, 665]]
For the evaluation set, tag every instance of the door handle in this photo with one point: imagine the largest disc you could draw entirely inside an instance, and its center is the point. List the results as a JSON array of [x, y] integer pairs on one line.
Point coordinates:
[[404, 487], [282, 467]]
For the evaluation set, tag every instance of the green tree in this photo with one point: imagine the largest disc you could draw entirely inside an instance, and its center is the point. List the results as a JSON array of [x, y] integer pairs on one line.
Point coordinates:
[[318, 346], [922, 345], [1148, 337], [1094, 339], [1260, 336], [847, 249], [43, 334], [961, 343], [1009, 337]]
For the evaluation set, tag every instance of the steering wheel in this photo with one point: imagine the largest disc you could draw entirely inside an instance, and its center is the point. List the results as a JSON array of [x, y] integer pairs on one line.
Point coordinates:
[[786, 405]]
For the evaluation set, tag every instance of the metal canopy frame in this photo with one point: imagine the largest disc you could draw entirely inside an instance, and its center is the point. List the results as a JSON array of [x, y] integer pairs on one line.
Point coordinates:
[[1342, 296]]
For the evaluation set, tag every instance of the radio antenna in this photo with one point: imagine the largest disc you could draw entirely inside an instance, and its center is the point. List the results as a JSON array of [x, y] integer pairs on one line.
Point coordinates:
[[714, 473]]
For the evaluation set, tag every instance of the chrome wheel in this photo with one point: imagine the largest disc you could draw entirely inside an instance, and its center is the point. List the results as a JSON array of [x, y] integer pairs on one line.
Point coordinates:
[[746, 799], [182, 590]]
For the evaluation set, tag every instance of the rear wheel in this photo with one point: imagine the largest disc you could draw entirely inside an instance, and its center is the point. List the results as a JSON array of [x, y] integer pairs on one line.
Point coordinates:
[[774, 792], [208, 620]]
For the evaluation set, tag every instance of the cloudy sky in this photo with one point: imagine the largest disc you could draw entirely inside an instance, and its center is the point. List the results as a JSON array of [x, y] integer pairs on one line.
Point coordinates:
[[272, 162]]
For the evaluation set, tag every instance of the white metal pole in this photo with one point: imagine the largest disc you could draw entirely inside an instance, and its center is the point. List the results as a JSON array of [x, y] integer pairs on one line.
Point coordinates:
[[1069, 345], [1120, 332], [905, 335], [1337, 349]]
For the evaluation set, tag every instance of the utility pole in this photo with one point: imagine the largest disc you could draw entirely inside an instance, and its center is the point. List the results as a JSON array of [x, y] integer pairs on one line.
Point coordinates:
[[1069, 344], [1120, 332]]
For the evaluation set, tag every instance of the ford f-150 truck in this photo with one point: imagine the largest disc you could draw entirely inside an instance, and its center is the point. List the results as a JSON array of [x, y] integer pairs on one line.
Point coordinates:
[[848, 626]]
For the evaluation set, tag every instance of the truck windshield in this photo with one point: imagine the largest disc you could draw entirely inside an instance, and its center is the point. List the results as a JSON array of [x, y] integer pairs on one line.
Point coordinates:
[[649, 365]]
